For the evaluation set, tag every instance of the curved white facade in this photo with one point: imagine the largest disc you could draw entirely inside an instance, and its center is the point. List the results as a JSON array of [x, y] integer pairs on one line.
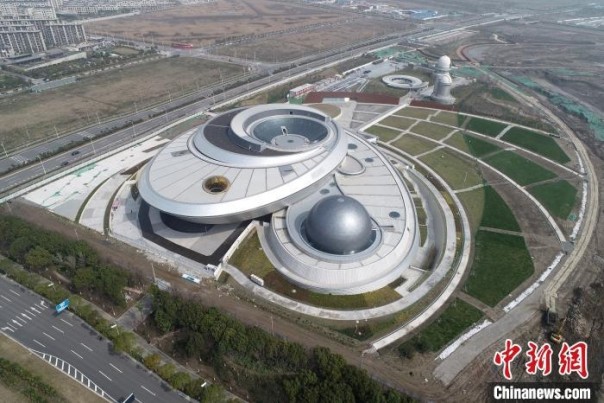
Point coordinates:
[[261, 162]]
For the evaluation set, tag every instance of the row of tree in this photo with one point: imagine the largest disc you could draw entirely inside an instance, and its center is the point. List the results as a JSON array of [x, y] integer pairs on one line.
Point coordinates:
[[47, 252], [269, 368]]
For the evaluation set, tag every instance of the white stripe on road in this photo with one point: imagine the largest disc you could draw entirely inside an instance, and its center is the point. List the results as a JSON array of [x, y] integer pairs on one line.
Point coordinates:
[[101, 372], [20, 325], [57, 329], [81, 358], [22, 320], [63, 320], [147, 390], [36, 341], [2, 296], [85, 346], [116, 368], [35, 310], [30, 312], [25, 316], [16, 293], [47, 335], [12, 331]]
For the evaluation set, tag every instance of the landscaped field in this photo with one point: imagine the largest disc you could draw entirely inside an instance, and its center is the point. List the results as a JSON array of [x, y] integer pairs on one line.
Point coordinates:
[[486, 127], [277, 282], [497, 214], [395, 121], [519, 168], [473, 202], [432, 130], [558, 198], [413, 145], [383, 133], [28, 117], [449, 118], [451, 323], [501, 263], [250, 259], [472, 145], [538, 143], [457, 171], [417, 113]]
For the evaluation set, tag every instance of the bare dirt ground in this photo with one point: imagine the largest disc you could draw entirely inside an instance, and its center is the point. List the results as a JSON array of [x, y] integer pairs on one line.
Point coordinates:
[[265, 30], [30, 116], [203, 24]]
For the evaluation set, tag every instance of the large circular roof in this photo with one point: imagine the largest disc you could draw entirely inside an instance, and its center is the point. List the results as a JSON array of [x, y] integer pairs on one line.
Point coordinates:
[[338, 225]]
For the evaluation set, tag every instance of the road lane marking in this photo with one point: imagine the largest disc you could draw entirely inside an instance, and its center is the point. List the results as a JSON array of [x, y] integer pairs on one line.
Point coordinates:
[[21, 320], [35, 310], [63, 320], [81, 358], [116, 368], [20, 325], [36, 341], [11, 326], [147, 390], [25, 316], [2, 296], [12, 331], [29, 312], [57, 329], [15, 292], [101, 372], [49, 336], [85, 346]]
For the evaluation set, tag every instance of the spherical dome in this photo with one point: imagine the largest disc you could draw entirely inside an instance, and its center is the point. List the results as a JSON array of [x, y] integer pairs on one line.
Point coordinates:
[[444, 63], [338, 225]]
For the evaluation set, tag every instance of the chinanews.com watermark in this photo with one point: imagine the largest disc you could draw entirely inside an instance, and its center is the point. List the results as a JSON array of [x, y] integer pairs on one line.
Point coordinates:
[[572, 359], [542, 392]]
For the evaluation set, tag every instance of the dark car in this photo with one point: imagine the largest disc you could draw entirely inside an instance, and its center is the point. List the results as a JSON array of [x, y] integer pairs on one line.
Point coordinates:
[[64, 163], [76, 152]]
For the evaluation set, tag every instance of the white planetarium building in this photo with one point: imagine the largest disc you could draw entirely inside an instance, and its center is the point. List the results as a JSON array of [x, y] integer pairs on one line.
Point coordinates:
[[341, 220]]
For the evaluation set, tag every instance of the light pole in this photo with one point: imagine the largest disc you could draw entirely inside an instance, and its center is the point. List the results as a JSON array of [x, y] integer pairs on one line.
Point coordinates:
[[41, 164]]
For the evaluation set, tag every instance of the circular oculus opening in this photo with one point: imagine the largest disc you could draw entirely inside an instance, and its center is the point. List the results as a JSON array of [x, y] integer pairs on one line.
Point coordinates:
[[216, 184]]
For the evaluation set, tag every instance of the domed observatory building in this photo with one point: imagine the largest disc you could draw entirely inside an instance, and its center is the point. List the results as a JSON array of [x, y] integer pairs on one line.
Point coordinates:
[[341, 219], [443, 81]]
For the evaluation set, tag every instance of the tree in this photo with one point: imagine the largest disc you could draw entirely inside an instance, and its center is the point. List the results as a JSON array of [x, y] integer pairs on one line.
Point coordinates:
[[123, 342], [213, 394], [179, 380], [166, 371], [152, 361], [38, 258], [84, 279]]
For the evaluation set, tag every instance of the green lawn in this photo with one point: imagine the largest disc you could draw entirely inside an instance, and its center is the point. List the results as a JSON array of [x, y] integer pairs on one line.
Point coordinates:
[[451, 323], [250, 258], [501, 263], [502, 95], [486, 127], [473, 202], [383, 133], [398, 122], [497, 214], [472, 145], [449, 118], [413, 145], [519, 168], [456, 171], [558, 198], [538, 143], [432, 130], [278, 283], [418, 113]]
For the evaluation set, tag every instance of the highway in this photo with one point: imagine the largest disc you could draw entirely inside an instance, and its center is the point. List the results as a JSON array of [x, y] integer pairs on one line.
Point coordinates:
[[29, 319]]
